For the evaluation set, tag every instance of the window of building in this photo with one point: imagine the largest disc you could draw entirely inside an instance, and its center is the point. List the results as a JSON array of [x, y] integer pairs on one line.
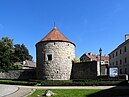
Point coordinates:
[[120, 51], [125, 70], [113, 55], [116, 62], [125, 59], [110, 56], [125, 48], [120, 61], [49, 56], [113, 63], [107, 62], [116, 53], [120, 71]]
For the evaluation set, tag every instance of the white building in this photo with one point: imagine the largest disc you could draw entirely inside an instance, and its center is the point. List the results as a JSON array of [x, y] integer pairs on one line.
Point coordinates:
[[119, 57]]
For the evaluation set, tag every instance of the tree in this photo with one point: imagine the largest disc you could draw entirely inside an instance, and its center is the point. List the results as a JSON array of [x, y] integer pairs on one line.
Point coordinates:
[[10, 53], [76, 60], [21, 53], [6, 53]]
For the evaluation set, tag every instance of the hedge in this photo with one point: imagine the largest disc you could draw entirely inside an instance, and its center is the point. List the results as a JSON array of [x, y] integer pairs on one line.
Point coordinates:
[[82, 83], [17, 82], [65, 83]]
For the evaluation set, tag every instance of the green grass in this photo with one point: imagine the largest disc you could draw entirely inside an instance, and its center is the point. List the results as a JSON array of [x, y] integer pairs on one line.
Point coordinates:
[[85, 93]]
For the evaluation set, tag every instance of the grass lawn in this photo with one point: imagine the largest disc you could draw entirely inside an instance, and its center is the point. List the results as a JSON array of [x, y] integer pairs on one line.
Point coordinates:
[[85, 93]]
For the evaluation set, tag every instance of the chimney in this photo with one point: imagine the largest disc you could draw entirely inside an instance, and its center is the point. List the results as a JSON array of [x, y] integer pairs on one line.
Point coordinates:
[[126, 37], [89, 53]]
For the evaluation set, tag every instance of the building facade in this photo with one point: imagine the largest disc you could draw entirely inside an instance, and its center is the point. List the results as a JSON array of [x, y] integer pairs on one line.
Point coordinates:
[[54, 55], [120, 57]]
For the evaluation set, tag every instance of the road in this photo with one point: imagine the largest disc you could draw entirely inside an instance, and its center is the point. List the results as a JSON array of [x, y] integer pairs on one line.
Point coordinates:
[[23, 91]]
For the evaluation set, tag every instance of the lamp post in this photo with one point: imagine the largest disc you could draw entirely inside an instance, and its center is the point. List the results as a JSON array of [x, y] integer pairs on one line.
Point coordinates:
[[100, 52]]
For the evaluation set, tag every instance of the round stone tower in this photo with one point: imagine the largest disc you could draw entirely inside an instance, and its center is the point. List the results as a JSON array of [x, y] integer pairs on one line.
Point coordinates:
[[54, 56]]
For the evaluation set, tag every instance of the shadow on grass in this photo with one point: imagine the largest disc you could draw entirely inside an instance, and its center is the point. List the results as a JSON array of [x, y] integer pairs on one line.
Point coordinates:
[[118, 91]]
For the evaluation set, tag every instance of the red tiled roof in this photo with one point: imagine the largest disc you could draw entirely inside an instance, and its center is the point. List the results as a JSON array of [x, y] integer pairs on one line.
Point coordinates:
[[96, 57], [105, 57], [92, 56], [54, 35]]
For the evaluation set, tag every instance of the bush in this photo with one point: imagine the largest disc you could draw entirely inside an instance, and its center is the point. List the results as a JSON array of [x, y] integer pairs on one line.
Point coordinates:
[[82, 83], [17, 66], [56, 82], [65, 83], [17, 82]]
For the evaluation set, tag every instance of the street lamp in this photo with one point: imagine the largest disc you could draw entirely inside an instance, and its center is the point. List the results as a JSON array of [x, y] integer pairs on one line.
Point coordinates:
[[100, 52]]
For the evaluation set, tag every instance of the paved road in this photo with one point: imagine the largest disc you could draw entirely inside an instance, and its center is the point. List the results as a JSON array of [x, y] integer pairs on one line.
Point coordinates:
[[75, 87], [68, 87], [23, 91], [7, 89]]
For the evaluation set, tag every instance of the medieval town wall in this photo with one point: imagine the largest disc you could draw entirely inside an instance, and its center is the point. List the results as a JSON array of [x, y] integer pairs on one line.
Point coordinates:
[[84, 70], [23, 74]]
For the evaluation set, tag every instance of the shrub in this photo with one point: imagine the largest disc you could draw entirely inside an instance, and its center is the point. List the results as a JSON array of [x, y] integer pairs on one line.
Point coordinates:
[[17, 82], [82, 83], [56, 82]]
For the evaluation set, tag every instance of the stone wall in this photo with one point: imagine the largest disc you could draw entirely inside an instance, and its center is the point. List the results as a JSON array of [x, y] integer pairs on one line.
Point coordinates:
[[60, 64], [25, 74], [84, 70]]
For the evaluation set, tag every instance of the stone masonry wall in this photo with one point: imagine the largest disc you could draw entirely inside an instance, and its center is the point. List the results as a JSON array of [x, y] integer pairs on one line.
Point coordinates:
[[59, 68], [25, 74], [84, 70]]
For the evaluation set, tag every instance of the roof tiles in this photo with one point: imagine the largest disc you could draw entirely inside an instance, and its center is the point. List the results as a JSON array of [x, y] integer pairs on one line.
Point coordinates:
[[55, 35]]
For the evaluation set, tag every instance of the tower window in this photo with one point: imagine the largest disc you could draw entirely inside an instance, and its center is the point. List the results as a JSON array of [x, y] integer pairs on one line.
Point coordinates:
[[49, 56]]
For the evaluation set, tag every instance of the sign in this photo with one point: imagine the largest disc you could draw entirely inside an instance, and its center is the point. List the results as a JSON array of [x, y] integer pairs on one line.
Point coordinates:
[[113, 72]]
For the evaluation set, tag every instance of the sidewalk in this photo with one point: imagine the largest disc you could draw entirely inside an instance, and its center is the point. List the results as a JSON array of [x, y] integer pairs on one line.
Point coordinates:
[[7, 89], [67, 87], [24, 91]]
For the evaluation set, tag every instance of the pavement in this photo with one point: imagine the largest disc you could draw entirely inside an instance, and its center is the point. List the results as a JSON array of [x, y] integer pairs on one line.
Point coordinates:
[[7, 89], [24, 91], [14, 91]]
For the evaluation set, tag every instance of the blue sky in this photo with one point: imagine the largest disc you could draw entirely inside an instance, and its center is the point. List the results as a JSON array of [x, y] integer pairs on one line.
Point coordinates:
[[90, 24]]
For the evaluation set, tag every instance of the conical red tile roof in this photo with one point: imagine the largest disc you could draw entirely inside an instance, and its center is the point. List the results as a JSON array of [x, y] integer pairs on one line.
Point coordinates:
[[55, 35]]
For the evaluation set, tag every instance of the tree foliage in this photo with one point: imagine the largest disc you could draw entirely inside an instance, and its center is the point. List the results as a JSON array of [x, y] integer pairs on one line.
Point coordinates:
[[10, 53], [76, 60], [21, 53], [6, 53]]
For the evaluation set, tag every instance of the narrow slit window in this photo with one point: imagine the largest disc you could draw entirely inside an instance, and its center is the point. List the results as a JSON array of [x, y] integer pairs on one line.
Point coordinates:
[[49, 57]]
